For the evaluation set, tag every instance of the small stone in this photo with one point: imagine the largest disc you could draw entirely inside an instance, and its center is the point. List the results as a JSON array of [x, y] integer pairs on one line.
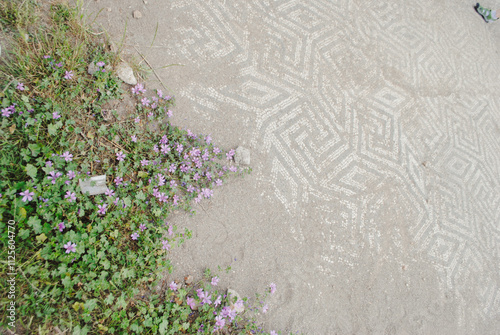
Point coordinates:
[[125, 73], [232, 294], [108, 9], [136, 14], [242, 156], [92, 68], [188, 280], [94, 185]]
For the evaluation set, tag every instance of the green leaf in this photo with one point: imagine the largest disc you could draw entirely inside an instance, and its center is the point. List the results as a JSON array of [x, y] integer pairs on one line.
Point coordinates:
[[91, 304], [66, 282], [140, 196], [41, 238], [35, 149], [31, 170], [163, 327], [34, 222], [24, 233], [109, 300], [127, 201]]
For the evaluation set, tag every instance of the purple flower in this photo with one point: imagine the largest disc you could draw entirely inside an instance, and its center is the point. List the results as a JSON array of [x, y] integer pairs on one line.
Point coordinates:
[[154, 105], [20, 87], [206, 299], [273, 287], [6, 112], [48, 163], [150, 115], [109, 193], [56, 115], [165, 149], [164, 139], [100, 64], [191, 302], [67, 156], [142, 227], [27, 195], [272, 332], [61, 226], [265, 308], [120, 156], [46, 56], [233, 168], [102, 209], [218, 182], [160, 93], [71, 174], [71, 196], [220, 321], [145, 101], [59, 64], [155, 148], [215, 281], [144, 162], [169, 113], [217, 301], [53, 176], [206, 192], [163, 197], [68, 75], [170, 230], [208, 139], [230, 154], [165, 246], [173, 286], [133, 138], [190, 189], [138, 89], [137, 120], [135, 236], [70, 247], [118, 181]]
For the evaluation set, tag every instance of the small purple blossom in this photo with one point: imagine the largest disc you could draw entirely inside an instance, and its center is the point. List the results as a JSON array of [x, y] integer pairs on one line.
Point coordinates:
[[59, 64], [173, 286], [100, 64], [102, 209], [272, 332], [70, 247], [219, 321], [133, 138], [71, 174], [68, 75], [135, 236], [20, 87], [109, 193], [145, 101], [165, 246], [27, 195], [137, 120], [217, 301], [265, 308], [272, 286], [120, 156], [170, 230], [230, 154], [215, 281], [46, 56], [142, 227], [169, 113], [48, 163], [55, 115], [71, 196], [191, 302], [144, 162], [6, 112], [139, 88], [61, 226], [118, 181], [67, 156]]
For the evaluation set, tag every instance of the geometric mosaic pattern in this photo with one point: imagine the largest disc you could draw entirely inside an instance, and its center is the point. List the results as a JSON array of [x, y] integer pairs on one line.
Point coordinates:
[[364, 105], [348, 99]]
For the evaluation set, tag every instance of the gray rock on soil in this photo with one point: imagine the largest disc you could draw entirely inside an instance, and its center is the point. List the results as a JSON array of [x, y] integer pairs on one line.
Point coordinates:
[[94, 185], [242, 156], [136, 14], [125, 73], [232, 294]]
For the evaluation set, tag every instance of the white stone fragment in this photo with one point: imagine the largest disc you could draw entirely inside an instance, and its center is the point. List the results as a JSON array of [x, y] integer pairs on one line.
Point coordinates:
[[242, 156], [94, 185], [125, 73]]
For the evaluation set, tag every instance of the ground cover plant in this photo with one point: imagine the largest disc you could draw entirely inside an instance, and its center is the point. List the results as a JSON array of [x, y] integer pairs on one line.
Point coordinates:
[[93, 263]]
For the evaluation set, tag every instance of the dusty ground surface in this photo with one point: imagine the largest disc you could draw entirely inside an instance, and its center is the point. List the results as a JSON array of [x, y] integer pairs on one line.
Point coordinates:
[[374, 202]]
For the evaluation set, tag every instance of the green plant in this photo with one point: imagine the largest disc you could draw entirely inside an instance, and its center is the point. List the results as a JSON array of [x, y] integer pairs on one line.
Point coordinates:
[[90, 263]]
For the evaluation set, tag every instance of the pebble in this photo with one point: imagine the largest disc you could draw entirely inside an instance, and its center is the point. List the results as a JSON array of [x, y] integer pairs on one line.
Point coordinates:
[[136, 14], [125, 73], [242, 156], [231, 295]]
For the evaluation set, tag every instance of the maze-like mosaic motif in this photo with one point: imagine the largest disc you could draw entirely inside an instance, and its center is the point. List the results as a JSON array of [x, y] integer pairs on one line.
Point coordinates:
[[372, 111], [361, 103]]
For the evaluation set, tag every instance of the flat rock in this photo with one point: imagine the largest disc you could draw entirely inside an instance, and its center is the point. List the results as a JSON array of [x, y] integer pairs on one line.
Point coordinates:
[[232, 294], [242, 156], [94, 185], [92, 68], [136, 14], [125, 73]]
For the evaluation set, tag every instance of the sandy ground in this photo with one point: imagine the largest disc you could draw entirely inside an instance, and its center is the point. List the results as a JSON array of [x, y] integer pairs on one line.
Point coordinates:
[[374, 202]]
